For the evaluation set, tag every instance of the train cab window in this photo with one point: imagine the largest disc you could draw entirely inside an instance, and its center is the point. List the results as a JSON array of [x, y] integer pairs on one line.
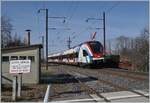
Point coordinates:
[[85, 53], [96, 47]]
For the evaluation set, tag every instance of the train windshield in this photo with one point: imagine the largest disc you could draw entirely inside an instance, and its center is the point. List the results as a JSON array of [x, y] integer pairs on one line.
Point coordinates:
[[96, 47]]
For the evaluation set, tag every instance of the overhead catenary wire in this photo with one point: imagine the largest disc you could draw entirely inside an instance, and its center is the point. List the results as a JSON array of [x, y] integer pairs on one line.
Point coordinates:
[[73, 12], [69, 18], [74, 8], [77, 34], [57, 31], [110, 9], [66, 24], [115, 5]]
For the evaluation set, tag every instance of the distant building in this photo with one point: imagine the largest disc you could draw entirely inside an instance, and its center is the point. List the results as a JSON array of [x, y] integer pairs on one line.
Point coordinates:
[[32, 52]]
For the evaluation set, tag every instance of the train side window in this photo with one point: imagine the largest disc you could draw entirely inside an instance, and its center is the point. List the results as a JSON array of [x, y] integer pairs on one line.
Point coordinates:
[[14, 57], [5, 58], [85, 53]]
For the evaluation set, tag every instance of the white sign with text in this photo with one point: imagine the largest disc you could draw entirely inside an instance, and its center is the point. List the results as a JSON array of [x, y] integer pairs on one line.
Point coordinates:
[[20, 66]]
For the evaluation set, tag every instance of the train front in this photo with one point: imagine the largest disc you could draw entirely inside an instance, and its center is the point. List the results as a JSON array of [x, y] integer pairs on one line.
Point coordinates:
[[97, 53], [101, 58]]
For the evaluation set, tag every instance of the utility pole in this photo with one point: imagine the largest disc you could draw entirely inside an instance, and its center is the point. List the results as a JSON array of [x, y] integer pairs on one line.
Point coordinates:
[[43, 46], [109, 45], [46, 39], [42, 38], [0, 76], [46, 30], [104, 32], [69, 42]]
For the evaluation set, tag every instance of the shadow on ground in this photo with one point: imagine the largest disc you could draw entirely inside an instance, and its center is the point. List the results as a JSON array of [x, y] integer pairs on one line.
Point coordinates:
[[64, 78]]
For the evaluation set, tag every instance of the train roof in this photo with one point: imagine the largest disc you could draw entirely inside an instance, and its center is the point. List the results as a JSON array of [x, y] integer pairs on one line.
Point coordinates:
[[74, 49], [84, 43]]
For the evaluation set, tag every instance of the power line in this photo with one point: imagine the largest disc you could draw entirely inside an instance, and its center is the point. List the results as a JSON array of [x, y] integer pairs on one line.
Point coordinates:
[[68, 11], [81, 32], [108, 10], [73, 12], [78, 34]]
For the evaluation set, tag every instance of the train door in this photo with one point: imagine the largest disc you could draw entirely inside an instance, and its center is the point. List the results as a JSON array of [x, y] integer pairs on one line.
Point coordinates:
[[85, 54], [82, 56]]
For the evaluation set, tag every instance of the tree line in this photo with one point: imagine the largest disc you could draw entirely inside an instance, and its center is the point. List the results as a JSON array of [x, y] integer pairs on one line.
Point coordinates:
[[135, 50]]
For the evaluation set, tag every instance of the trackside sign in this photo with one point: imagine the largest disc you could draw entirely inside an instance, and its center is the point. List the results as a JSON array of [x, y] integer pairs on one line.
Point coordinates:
[[19, 66]]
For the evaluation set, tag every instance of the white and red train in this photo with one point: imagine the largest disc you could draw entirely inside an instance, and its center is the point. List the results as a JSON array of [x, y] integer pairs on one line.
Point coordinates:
[[87, 53]]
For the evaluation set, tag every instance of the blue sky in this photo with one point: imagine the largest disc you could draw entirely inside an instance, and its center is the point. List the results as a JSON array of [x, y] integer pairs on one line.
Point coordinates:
[[126, 18]]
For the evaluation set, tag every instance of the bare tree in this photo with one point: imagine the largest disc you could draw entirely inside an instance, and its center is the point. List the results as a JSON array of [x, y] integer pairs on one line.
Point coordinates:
[[15, 41], [6, 37], [123, 45], [6, 28], [135, 50], [142, 51]]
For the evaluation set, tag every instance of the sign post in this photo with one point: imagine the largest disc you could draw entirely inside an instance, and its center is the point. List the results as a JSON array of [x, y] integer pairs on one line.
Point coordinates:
[[18, 67], [19, 84], [14, 88]]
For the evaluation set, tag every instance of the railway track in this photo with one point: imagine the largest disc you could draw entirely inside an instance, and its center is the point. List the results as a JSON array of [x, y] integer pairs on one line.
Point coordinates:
[[104, 81], [99, 81], [119, 72], [87, 88], [83, 85], [126, 74], [129, 71], [120, 76], [123, 74], [133, 81]]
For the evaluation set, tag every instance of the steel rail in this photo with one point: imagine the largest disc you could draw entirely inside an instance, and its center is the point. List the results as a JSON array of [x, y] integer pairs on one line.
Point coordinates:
[[86, 87], [144, 74], [124, 74], [117, 72], [116, 86]]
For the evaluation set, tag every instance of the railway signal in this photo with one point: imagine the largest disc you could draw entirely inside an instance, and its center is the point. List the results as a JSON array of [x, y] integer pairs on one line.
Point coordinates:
[[42, 52]]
